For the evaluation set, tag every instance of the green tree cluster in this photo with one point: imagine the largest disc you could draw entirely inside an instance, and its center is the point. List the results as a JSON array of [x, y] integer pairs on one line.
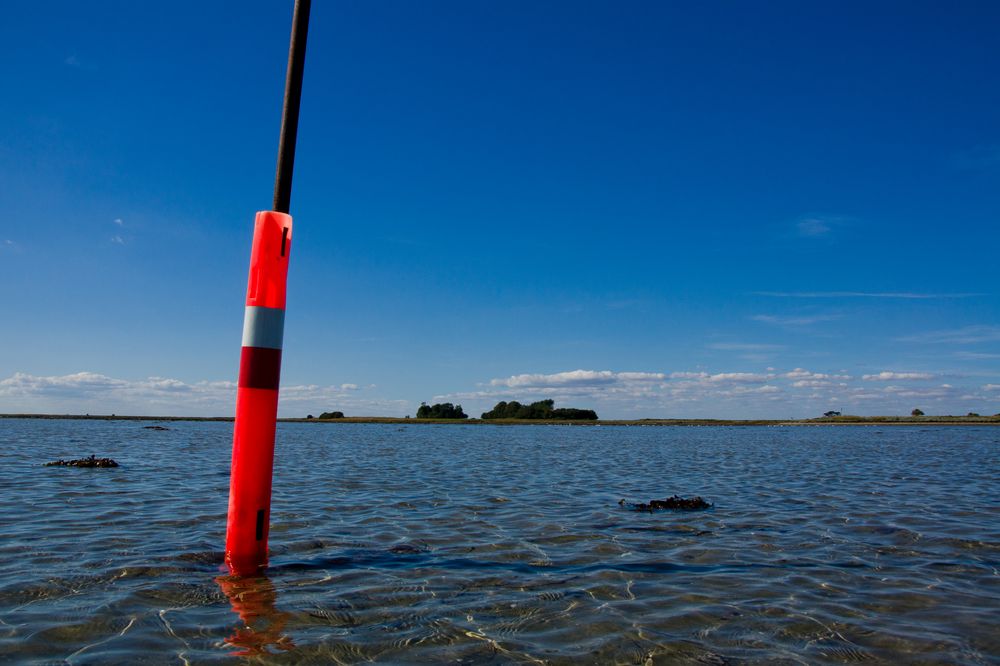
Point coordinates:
[[332, 415], [444, 410], [543, 409]]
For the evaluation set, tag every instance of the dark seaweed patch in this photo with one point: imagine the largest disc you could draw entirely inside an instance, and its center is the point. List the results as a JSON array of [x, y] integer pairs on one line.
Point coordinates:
[[92, 461], [676, 502]]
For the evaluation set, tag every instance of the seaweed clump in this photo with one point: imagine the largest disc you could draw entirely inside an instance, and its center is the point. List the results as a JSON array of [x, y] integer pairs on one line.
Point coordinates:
[[92, 461], [675, 502]]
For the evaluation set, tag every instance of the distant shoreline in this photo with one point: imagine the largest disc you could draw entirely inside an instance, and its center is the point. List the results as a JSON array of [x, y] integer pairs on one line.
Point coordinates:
[[836, 420]]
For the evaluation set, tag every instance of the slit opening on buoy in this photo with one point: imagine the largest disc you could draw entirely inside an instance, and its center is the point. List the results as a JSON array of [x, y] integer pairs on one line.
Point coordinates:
[[260, 524]]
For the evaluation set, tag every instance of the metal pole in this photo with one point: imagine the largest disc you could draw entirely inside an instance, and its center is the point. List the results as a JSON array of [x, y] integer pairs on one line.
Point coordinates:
[[290, 109]]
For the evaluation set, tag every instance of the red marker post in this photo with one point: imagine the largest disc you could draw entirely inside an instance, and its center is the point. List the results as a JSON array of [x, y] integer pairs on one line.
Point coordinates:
[[263, 328]]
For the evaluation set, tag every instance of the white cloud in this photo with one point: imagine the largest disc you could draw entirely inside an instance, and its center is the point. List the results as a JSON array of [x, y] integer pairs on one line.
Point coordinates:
[[929, 393], [74, 61], [22, 384], [739, 377], [573, 377], [641, 376], [748, 390], [887, 376], [743, 346], [100, 394], [688, 375], [861, 294], [805, 320], [961, 336], [774, 393], [812, 383], [119, 221], [118, 240], [634, 393], [975, 356], [813, 227], [802, 373]]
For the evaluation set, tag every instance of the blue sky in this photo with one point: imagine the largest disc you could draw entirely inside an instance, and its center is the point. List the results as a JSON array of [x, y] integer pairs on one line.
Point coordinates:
[[652, 209]]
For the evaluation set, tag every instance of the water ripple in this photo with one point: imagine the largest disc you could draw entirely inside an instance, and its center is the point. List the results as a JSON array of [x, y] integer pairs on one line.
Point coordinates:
[[427, 544]]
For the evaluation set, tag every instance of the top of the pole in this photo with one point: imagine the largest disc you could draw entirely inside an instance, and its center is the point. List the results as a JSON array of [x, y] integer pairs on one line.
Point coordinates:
[[290, 110]]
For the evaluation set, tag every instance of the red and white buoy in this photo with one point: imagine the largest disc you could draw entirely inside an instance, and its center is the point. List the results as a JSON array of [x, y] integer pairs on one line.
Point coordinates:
[[257, 394], [263, 328]]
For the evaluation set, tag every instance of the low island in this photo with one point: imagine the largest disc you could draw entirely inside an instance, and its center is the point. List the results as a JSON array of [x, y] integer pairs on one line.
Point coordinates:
[[843, 420]]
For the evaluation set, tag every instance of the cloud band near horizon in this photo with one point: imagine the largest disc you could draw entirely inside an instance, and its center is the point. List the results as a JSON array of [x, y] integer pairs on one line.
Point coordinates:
[[615, 394]]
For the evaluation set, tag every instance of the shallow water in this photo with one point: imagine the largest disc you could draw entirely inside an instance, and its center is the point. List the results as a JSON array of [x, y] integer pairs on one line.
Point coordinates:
[[493, 544]]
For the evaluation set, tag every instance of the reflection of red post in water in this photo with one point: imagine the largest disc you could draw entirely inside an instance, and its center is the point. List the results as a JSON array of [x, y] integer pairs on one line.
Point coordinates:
[[253, 599]]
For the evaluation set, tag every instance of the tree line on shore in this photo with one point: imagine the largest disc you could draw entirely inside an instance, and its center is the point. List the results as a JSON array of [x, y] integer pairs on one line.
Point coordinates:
[[541, 410], [443, 410]]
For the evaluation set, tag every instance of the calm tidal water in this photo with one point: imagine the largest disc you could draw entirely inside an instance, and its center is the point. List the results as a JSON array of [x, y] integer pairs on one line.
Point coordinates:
[[492, 544]]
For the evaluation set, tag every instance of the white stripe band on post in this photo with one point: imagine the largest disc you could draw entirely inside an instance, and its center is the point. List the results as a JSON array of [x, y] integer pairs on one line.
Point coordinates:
[[263, 327]]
